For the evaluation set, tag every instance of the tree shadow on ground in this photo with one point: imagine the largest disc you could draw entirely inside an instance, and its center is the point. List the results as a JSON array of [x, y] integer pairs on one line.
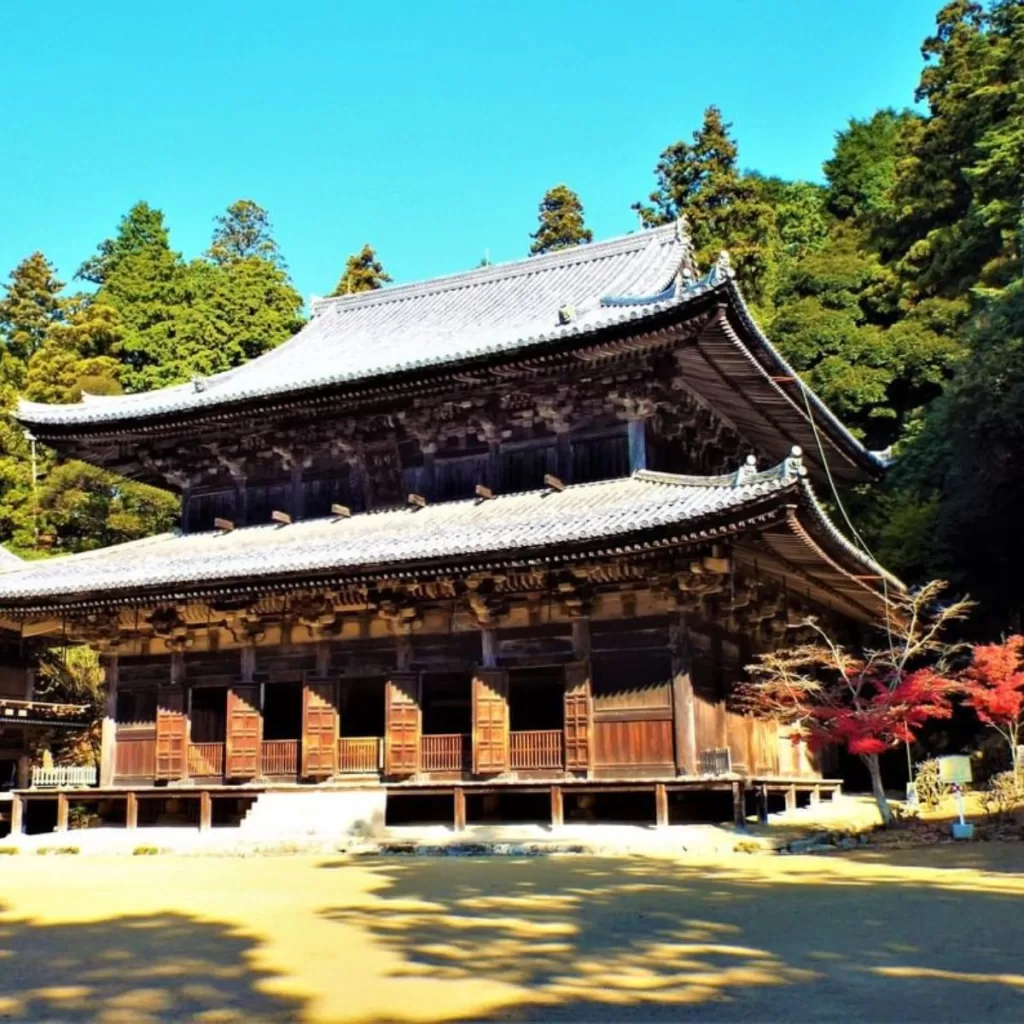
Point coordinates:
[[610, 939], [163, 967]]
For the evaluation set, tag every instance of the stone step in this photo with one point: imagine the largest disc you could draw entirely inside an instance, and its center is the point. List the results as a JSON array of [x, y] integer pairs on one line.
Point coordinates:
[[359, 812]]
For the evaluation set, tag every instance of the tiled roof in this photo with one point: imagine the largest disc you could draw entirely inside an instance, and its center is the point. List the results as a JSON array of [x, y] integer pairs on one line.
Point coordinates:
[[9, 560], [489, 310], [508, 527]]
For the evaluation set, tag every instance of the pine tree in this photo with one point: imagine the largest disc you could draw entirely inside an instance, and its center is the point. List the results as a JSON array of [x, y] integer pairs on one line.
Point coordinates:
[[244, 232], [561, 222], [141, 228], [30, 306], [363, 273], [724, 207]]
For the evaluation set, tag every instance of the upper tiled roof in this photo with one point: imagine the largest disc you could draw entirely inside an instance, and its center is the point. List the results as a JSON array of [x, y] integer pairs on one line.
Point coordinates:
[[506, 528], [9, 560], [493, 309]]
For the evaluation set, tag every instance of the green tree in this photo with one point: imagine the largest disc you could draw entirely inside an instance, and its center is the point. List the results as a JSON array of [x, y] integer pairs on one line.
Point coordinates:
[[141, 228], [30, 305], [561, 222], [244, 232], [725, 208], [861, 172], [363, 273]]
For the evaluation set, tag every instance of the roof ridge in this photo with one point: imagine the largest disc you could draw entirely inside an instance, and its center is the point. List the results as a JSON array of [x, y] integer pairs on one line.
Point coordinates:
[[584, 253]]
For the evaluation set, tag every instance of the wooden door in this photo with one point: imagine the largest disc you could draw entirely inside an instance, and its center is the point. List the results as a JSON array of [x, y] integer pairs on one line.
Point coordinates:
[[404, 724], [243, 753], [490, 720], [171, 734], [577, 716], [319, 728]]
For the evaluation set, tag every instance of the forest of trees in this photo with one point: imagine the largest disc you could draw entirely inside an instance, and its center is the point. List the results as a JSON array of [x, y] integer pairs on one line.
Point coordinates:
[[896, 288]]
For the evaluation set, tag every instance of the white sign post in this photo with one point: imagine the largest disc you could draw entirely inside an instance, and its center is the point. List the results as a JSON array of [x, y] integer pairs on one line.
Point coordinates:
[[957, 770]]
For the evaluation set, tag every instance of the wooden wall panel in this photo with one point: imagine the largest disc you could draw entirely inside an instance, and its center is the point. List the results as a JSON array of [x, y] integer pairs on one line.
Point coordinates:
[[620, 743], [404, 723], [243, 747], [319, 729], [578, 716], [135, 757], [171, 734], [490, 720]]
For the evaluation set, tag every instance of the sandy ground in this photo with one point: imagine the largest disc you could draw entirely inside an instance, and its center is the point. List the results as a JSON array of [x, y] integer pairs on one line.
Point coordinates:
[[932, 935]]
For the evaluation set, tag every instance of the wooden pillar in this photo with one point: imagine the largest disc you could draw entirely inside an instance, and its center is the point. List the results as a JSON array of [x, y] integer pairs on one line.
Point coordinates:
[[298, 502], [108, 727], [762, 804], [460, 809], [816, 796], [131, 811], [205, 811], [791, 798], [17, 815], [739, 804], [247, 668], [637, 437], [489, 647], [563, 457], [428, 481], [24, 771], [62, 812], [30, 683], [403, 652], [684, 711], [557, 807], [323, 659], [661, 804], [581, 638]]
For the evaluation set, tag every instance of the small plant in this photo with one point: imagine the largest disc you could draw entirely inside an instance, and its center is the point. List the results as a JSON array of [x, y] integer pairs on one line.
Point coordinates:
[[145, 851], [931, 790], [79, 816], [747, 846], [8, 851], [58, 850], [1003, 793]]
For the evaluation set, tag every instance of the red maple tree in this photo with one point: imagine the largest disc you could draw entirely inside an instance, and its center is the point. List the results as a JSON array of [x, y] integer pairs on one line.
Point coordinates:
[[994, 688], [869, 701]]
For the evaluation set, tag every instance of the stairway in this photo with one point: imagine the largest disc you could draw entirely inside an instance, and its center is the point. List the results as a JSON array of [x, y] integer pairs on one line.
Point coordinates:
[[332, 814]]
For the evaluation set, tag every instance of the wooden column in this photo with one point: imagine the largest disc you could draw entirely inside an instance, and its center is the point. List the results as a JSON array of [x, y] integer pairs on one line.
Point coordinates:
[[637, 437], [563, 456], [489, 647], [557, 807], [298, 502], [17, 815], [205, 811], [581, 638], [816, 796], [247, 666], [131, 811], [323, 659], [739, 804], [62, 812], [791, 798], [460, 809], [684, 712], [108, 727], [24, 771], [661, 805], [30, 683], [403, 652]]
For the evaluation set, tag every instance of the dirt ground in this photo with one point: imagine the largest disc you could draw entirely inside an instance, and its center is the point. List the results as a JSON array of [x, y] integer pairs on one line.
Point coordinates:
[[894, 935]]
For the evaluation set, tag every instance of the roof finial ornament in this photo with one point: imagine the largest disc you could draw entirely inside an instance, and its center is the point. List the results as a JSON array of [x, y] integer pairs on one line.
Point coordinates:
[[746, 473], [793, 465], [723, 270], [198, 383], [688, 262], [566, 314]]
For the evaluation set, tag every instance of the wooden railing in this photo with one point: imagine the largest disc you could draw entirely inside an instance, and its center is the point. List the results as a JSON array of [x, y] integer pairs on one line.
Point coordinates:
[[359, 753], [280, 757], [205, 759], [65, 776], [444, 752], [536, 748]]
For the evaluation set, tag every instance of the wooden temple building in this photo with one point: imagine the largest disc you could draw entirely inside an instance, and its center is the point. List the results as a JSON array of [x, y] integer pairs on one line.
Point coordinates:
[[500, 543]]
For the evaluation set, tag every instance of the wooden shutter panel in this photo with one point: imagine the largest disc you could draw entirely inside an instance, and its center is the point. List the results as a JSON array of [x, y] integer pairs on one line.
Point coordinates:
[[577, 715], [244, 732], [319, 728], [490, 720], [404, 723], [171, 734]]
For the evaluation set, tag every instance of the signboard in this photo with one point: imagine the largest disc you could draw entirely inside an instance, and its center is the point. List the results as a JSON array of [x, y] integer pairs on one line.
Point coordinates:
[[955, 768]]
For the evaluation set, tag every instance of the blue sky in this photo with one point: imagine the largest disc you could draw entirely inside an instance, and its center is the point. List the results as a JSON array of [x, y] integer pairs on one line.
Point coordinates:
[[430, 129]]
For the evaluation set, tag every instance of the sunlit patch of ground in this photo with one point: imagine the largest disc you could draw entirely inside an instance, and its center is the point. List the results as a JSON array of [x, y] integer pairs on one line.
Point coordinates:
[[926, 934]]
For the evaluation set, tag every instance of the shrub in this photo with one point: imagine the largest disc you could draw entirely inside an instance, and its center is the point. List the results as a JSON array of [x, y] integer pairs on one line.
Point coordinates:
[[931, 790], [145, 851], [9, 851], [1003, 793], [58, 850]]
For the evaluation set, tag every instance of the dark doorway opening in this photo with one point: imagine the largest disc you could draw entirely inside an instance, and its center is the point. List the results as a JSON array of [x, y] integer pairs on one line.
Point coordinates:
[[699, 806], [282, 711], [362, 707], [508, 808], [447, 703], [209, 714], [611, 808], [536, 698]]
